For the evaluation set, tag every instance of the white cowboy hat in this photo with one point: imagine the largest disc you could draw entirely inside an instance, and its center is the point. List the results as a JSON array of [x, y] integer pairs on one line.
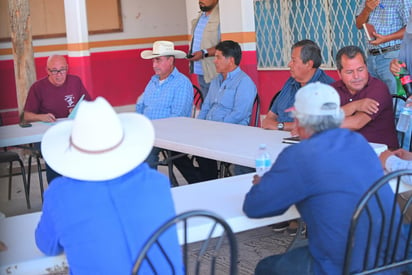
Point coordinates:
[[162, 48], [98, 144]]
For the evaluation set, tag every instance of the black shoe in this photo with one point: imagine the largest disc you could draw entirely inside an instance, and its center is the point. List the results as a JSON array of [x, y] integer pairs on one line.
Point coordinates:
[[280, 227]]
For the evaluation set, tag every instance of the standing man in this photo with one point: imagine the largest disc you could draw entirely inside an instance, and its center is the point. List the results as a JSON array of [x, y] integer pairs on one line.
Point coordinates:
[[205, 36], [304, 68], [53, 97], [365, 100], [169, 93], [56, 95], [388, 19], [325, 176], [230, 99]]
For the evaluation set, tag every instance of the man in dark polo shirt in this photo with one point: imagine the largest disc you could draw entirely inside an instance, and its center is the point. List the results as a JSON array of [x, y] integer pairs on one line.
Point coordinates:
[[365, 100]]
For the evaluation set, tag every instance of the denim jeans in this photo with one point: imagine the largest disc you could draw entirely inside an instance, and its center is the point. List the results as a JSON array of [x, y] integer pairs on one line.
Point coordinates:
[[295, 262], [378, 66], [153, 158]]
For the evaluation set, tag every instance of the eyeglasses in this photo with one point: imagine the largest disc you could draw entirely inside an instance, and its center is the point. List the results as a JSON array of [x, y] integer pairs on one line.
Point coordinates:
[[55, 72]]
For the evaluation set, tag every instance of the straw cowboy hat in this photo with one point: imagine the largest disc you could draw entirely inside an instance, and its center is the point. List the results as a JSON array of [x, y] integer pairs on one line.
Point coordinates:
[[162, 48], [98, 144]]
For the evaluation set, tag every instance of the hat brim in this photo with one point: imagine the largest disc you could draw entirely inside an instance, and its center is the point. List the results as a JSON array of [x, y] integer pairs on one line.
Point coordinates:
[[148, 54], [70, 162]]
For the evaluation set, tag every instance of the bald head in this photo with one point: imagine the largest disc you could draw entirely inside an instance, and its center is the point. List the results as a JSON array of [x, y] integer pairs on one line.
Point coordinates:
[[57, 69]]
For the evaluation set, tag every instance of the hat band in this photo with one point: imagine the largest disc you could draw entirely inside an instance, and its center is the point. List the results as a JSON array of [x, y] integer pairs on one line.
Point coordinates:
[[96, 151]]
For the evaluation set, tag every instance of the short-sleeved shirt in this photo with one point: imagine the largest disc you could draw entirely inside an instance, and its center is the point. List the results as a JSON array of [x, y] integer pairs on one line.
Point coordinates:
[[389, 17], [44, 97], [286, 98], [381, 129]]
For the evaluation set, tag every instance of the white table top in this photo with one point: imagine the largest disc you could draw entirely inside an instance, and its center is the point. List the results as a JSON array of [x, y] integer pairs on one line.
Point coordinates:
[[227, 142], [223, 197]]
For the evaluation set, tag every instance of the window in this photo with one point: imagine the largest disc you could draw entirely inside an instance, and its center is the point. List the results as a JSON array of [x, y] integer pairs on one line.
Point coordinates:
[[281, 23]]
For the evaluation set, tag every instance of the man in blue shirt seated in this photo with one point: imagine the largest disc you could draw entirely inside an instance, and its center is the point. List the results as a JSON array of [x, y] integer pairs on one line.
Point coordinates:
[[230, 99], [108, 202], [325, 176], [304, 68], [169, 93]]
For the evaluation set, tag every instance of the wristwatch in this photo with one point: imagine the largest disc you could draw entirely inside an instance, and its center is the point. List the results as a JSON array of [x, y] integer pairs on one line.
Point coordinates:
[[205, 53], [281, 126]]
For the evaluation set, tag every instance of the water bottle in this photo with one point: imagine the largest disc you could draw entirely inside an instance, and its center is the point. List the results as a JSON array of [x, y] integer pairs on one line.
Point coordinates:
[[405, 117], [263, 161]]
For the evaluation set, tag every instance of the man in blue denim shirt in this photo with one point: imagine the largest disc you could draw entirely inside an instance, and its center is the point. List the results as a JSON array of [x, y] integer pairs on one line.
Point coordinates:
[[169, 93], [304, 68], [230, 99]]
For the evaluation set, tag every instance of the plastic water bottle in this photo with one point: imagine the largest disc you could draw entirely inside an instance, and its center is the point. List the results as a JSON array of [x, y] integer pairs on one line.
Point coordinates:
[[405, 117], [263, 161]]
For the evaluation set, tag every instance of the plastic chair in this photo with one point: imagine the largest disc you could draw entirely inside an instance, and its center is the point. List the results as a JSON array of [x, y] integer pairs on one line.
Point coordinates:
[[197, 100], [387, 224], [208, 252], [10, 157]]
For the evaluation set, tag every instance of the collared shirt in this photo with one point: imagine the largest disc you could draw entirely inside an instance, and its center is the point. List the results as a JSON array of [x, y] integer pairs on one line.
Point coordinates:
[[99, 222], [197, 39], [324, 176], [170, 98], [286, 98], [387, 18], [381, 128], [230, 100]]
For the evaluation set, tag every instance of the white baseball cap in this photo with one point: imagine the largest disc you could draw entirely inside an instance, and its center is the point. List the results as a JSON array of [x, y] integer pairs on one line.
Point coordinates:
[[316, 99]]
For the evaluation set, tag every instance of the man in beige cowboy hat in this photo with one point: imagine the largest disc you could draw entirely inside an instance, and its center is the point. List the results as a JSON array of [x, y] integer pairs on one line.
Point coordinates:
[[169, 93], [108, 202]]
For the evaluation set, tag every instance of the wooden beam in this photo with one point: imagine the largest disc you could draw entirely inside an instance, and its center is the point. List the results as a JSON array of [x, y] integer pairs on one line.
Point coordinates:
[[22, 47]]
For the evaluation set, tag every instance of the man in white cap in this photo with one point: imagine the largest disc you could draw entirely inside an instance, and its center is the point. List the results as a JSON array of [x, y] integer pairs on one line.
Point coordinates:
[[325, 176], [169, 93], [108, 202]]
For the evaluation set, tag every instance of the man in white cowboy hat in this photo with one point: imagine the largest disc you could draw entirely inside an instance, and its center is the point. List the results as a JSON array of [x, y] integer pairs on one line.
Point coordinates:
[[169, 93], [325, 176], [108, 201]]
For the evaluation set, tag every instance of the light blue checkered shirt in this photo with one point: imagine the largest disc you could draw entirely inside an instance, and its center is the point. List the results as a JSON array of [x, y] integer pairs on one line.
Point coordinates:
[[388, 18], [197, 40], [171, 98]]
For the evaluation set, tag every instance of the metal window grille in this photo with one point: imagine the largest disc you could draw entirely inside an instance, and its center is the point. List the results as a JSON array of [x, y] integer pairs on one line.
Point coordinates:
[[281, 23]]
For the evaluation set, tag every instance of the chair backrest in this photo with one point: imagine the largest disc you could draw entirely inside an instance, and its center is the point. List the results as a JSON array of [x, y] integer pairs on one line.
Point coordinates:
[[208, 252], [395, 100], [379, 236], [255, 118], [273, 99], [197, 100]]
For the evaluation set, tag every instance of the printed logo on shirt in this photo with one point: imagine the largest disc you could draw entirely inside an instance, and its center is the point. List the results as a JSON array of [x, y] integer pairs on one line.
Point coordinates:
[[70, 100]]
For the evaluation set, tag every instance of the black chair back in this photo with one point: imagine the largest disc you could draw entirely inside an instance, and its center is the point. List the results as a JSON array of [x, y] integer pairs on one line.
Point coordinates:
[[254, 119], [208, 252], [197, 100], [391, 250]]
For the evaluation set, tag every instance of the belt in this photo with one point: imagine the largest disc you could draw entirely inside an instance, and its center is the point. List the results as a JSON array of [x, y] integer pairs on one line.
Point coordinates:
[[384, 50]]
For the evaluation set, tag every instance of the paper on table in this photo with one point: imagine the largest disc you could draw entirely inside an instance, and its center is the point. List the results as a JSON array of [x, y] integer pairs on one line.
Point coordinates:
[[73, 113]]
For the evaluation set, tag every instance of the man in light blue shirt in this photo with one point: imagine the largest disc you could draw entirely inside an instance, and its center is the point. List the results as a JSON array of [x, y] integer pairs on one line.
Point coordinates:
[[230, 99], [169, 93], [388, 19]]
